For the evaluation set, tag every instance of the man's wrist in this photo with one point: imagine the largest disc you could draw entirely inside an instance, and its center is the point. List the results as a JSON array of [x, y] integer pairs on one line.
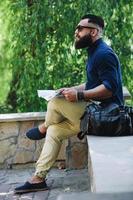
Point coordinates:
[[79, 87], [80, 96]]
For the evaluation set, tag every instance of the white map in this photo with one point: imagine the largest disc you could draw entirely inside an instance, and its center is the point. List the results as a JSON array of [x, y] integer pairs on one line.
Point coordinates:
[[48, 94]]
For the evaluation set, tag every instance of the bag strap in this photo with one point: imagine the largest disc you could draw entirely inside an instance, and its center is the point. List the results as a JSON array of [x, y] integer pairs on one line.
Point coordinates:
[[81, 135]]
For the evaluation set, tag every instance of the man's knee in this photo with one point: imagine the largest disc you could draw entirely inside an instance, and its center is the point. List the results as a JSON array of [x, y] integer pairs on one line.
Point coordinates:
[[54, 103]]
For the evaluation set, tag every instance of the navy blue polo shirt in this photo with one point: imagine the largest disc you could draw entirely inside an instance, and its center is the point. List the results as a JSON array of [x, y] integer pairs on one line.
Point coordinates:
[[103, 67]]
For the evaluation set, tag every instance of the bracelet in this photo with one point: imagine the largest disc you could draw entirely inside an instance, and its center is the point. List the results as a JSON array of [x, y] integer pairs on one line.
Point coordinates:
[[80, 96]]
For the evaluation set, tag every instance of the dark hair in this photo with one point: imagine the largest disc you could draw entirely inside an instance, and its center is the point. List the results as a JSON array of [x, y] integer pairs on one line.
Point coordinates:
[[94, 19]]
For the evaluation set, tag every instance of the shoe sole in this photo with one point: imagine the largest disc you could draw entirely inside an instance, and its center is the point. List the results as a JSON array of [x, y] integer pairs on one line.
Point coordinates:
[[31, 190]]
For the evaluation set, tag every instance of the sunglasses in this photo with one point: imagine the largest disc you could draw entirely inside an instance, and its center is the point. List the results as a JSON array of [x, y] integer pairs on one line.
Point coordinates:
[[80, 28]]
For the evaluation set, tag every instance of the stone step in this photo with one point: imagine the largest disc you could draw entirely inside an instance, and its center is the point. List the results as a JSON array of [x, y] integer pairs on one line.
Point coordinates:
[[94, 196], [110, 163]]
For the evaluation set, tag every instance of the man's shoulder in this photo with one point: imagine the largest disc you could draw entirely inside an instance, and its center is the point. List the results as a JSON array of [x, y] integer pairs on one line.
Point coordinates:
[[105, 52], [104, 49]]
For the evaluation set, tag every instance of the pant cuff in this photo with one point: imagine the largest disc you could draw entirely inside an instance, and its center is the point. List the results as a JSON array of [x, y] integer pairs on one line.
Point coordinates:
[[41, 174]]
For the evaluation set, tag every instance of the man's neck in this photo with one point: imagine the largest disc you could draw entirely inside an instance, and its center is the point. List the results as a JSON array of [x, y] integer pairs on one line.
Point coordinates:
[[96, 38]]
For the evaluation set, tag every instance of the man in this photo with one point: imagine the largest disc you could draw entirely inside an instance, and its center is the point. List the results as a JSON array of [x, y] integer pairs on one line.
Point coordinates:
[[63, 114]]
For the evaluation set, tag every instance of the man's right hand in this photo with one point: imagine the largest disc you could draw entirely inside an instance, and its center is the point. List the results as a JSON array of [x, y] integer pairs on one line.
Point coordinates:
[[62, 89], [70, 94]]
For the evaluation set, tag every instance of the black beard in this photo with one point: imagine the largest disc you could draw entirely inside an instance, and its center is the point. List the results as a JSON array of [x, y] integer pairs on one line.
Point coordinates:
[[83, 42]]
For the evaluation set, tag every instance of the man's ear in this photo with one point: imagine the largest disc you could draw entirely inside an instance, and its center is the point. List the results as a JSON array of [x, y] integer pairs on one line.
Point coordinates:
[[93, 32]]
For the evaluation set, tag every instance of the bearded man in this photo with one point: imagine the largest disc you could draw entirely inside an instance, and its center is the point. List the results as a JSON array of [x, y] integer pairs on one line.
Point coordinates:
[[104, 84]]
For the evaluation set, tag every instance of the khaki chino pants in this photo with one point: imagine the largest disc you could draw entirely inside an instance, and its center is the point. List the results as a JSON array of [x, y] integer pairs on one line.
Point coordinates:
[[62, 121]]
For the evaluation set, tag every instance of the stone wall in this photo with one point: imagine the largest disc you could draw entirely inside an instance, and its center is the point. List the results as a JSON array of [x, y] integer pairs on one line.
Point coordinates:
[[16, 149]]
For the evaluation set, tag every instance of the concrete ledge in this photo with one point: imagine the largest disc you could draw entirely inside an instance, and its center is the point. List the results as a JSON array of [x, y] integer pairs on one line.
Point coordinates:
[[92, 196], [12, 117], [111, 163], [126, 93]]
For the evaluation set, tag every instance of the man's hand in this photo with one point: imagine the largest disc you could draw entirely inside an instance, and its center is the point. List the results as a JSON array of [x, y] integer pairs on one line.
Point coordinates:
[[62, 89], [70, 94]]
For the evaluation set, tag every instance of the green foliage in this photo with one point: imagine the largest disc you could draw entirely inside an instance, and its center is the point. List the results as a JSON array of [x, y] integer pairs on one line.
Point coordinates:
[[121, 31], [38, 46], [5, 72]]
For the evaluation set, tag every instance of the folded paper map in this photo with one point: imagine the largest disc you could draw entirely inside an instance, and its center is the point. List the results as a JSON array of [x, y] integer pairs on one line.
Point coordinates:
[[48, 94]]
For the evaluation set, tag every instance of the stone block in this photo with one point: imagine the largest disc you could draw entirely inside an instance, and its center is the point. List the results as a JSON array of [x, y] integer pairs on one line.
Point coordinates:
[[23, 156], [8, 129], [76, 154], [24, 126], [26, 144], [7, 149]]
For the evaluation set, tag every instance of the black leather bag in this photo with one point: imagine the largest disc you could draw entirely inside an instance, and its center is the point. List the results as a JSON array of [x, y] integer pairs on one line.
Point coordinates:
[[109, 120]]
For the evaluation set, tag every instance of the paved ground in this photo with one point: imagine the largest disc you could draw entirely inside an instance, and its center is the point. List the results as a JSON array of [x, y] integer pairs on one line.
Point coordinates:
[[60, 181]]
